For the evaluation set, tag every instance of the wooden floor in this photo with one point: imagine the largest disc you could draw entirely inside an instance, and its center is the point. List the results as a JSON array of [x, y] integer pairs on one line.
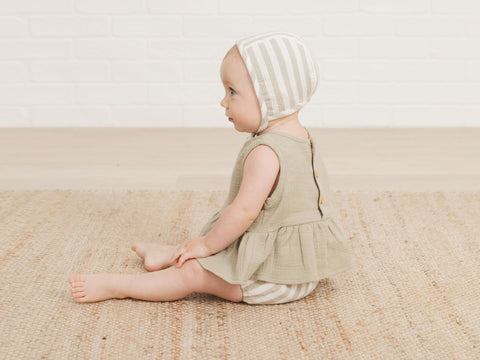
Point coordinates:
[[202, 159]]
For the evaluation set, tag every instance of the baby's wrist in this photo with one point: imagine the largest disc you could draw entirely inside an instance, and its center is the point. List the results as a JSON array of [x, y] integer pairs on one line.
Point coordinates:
[[209, 245]]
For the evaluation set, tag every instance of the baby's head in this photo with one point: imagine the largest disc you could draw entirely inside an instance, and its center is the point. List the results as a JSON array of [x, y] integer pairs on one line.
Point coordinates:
[[266, 77]]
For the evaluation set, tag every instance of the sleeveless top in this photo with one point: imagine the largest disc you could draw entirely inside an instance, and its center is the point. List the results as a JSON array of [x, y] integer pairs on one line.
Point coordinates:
[[295, 238]]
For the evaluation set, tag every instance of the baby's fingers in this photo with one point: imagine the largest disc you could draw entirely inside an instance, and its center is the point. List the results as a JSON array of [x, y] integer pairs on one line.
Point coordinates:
[[182, 259], [175, 257], [180, 256]]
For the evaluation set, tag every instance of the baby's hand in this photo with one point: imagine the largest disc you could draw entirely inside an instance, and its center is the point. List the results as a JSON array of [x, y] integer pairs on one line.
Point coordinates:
[[191, 249]]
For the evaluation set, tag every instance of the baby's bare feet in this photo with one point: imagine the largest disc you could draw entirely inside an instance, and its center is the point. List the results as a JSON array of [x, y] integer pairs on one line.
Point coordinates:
[[92, 288], [156, 257]]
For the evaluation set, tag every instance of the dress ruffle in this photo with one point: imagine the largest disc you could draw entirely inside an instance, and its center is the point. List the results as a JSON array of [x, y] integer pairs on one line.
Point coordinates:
[[317, 250]]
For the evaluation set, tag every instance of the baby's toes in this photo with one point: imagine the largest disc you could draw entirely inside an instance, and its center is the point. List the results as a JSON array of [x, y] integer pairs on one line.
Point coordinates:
[[77, 287], [78, 294]]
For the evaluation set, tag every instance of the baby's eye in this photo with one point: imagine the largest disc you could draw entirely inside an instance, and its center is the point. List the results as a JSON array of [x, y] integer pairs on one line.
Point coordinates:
[[232, 92]]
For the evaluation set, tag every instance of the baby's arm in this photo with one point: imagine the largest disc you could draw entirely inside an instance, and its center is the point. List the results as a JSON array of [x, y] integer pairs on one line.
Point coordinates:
[[260, 171]]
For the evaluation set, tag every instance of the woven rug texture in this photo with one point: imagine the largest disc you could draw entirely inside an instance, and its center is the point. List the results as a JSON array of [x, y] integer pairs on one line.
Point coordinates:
[[414, 292]]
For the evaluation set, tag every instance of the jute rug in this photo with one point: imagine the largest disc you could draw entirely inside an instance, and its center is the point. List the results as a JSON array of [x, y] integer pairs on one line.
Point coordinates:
[[414, 292]]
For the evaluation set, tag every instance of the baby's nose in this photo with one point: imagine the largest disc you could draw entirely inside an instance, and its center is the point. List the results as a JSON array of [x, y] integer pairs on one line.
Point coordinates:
[[223, 103]]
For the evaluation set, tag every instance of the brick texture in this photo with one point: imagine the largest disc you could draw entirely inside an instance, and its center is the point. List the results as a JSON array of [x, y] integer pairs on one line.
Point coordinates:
[[149, 63]]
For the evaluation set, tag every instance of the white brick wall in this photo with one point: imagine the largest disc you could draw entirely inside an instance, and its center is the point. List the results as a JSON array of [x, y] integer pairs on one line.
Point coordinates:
[[156, 62]]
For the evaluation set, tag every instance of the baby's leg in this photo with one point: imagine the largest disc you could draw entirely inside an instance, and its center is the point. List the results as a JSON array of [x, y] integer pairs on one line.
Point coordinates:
[[165, 285], [156, 257]]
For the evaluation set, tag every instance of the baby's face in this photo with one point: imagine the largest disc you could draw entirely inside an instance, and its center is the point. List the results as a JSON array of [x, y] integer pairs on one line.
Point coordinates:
[[240, 101]]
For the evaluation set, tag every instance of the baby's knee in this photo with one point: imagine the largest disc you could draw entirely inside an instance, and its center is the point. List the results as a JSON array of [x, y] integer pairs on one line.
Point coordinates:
[[193, 275]]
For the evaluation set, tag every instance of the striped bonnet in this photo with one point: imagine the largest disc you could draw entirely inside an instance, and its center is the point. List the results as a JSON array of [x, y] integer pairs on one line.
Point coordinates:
[[283, 72]]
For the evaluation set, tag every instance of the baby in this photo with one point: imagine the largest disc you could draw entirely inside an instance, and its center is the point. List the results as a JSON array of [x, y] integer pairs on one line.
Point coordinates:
[[275, 237]]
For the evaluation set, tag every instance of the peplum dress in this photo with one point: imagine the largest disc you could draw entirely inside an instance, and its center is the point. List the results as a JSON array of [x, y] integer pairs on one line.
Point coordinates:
[[295, 238]]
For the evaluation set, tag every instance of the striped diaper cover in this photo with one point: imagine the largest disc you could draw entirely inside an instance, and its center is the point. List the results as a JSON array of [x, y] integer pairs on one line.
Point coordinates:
[[261, 292]]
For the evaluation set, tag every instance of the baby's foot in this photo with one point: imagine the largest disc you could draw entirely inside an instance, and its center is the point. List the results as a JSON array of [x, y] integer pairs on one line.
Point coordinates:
[[156, 257], [92, 288]]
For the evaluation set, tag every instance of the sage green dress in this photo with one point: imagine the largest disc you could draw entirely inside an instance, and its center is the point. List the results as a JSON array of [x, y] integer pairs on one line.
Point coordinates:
[[295, 238]]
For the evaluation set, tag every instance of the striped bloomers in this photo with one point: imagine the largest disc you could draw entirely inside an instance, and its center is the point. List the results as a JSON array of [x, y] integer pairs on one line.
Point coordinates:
[[261, 292]]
